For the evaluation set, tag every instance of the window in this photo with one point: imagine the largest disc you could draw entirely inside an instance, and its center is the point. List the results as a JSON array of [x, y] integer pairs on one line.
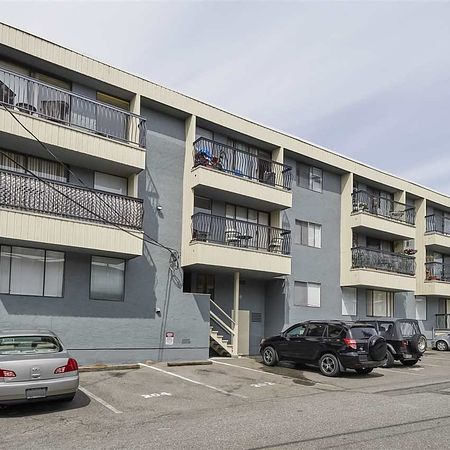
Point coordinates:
[[31, 271], [202, 205], [334, 331], [421, 308], [16, 345], [298, 330], [107, 278], [205, 284], [349, 301], [309, 177], [44, 168], [110, 183], [380, 303], [315, 329], [306, 294], [309, 234], [113, 101]]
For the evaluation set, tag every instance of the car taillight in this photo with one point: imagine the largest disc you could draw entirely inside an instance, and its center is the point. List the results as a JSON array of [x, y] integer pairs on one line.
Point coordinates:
[[350, 343], [7, 373], [405, 344], [71, 366]]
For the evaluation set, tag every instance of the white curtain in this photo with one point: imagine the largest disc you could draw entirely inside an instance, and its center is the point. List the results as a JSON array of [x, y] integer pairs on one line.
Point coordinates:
[[27, 271], [107, 278]]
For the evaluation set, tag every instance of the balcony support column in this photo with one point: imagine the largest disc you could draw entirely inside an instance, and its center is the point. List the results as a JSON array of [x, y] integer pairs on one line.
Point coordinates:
[[236, 295], [133, 185], [421, 208], [346, 228]]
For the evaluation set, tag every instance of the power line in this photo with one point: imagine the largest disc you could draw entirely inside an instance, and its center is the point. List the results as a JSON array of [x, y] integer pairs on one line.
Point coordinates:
[[173, 252]]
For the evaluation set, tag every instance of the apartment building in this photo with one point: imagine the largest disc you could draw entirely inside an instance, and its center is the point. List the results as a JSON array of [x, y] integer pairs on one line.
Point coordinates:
[[139, 223]]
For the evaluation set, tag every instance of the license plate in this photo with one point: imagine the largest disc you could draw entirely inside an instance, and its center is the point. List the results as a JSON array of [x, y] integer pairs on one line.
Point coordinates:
[[407, 356], [36, 393]]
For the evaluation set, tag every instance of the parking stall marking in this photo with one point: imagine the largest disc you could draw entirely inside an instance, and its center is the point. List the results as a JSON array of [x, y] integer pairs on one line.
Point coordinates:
[[156, 394], [263, 384], [99, 400], [222, 391]]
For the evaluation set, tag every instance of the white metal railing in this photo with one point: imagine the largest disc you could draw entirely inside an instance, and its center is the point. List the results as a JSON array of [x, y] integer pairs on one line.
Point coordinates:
[[221, 322]]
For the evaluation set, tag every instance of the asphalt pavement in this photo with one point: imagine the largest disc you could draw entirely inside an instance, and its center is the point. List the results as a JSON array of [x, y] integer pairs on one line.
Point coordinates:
[[241, 404]]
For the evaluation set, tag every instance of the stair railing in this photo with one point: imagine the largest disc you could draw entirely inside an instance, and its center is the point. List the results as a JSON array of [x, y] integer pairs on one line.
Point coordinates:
[[225, 322]]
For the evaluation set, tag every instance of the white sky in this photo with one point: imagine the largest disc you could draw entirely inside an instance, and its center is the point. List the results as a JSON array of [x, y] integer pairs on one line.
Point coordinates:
[[367, 79]]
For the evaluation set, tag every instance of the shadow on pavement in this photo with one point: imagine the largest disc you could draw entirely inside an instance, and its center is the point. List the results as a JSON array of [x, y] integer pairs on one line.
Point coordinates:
[[34, 408]]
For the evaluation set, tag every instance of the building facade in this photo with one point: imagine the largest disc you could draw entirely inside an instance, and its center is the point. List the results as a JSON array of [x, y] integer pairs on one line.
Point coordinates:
[[138, 223]]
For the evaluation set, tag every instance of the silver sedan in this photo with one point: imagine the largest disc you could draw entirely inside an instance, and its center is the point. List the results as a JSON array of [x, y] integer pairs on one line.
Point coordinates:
[[34, 365], [441, 342]]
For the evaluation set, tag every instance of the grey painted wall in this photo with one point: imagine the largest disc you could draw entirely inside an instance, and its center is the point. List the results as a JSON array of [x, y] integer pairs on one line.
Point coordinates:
[[107, 331], [318, 265]]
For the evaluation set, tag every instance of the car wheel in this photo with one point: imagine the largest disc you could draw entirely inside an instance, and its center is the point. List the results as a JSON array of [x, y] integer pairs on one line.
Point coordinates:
[[442, 346], [363, 371], [409, 362], [329, 365], [269, 356], [389, 359], [419, 343]]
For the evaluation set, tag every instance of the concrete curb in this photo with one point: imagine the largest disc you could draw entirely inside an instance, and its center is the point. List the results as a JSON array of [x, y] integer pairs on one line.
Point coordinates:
[[189, 363], [104, 367]]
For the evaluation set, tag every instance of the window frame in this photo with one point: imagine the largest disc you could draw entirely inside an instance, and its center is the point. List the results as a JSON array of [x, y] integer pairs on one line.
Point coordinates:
[[389, 303], [122, 299], [308, 284], [63, 282], [313, 172], [311, 227]]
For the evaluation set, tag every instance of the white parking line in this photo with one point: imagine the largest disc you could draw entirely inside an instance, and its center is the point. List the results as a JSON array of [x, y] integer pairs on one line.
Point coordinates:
[[402, 371], [98, 399], [193, 381]]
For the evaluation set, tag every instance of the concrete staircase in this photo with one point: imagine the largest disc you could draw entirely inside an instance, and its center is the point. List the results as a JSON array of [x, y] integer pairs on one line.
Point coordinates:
[[219, 344]]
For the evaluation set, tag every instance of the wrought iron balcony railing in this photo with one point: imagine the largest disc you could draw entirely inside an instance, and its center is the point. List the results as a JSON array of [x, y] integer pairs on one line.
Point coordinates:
[[241, 164], [239, 233], [385, 207], [367, 258], [437, 223], [24, 192], [437, 271], [43, 100]]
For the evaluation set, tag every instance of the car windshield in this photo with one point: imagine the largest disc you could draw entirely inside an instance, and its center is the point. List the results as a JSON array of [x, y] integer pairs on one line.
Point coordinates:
[[14, 345], [362, 332], [408, 329]]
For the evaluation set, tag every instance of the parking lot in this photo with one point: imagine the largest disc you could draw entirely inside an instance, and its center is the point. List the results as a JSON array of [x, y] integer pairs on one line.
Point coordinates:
[[239, 403]]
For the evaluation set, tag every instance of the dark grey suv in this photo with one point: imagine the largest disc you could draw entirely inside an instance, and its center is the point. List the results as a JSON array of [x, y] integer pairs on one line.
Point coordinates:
[[332, 345]]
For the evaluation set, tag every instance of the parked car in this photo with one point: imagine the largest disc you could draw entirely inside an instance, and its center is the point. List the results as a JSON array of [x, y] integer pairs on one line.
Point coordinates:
[[34, 365], [441, 342], [332, 345], [405, 342]]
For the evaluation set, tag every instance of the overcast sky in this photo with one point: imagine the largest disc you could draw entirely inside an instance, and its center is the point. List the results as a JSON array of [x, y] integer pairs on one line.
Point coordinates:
[[370, 80]]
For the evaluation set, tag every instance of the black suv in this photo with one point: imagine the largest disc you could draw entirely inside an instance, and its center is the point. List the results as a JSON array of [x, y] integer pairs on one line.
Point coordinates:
[[332, 345], [405, 342]]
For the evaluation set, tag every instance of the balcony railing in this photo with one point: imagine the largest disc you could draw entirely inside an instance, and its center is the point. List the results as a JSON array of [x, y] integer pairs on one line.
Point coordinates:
[[367, 258], [24, 192], [385, 207], [58, 105], [241, 164], [443, 321], [240, 233], [437, 223], [437, 271]]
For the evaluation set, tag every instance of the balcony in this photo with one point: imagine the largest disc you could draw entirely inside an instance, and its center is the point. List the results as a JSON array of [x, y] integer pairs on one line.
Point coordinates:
[[437, 237], [35, 100], [378, 269], [241, 245], [61, 214], [388, 218], [229, 171]]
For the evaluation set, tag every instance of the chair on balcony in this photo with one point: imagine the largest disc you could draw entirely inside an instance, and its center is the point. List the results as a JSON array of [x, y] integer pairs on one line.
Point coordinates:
[[276, 244], [57, 110], [231, 236]]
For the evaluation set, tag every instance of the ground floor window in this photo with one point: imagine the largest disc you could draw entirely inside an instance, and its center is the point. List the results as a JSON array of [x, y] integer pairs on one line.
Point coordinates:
[[107, 278], [31, 271], [205, 284], [307, 294], [421, 308], [380, 303], [349, 301]]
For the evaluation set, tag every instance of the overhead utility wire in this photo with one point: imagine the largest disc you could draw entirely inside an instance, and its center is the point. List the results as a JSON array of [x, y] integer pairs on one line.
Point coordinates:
[[149, 239]]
